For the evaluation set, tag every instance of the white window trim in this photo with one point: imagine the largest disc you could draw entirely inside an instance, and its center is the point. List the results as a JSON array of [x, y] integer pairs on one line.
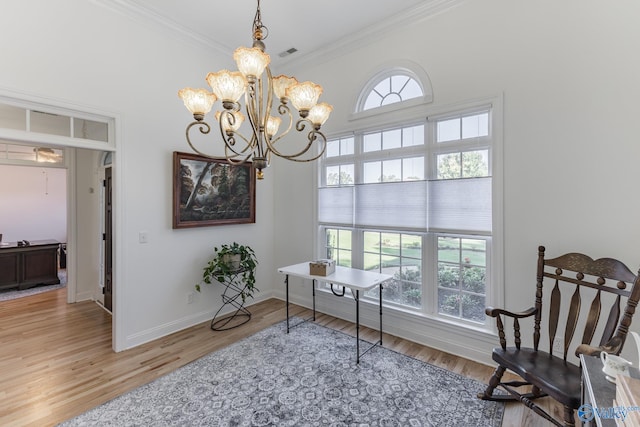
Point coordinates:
[[28, 137]]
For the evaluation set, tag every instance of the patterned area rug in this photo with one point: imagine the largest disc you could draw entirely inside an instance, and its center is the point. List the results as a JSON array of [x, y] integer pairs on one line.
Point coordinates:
[[14, 294], [308, 377]]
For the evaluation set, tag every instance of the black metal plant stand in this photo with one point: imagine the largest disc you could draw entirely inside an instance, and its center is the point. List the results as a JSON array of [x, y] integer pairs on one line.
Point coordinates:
[[235, 287]]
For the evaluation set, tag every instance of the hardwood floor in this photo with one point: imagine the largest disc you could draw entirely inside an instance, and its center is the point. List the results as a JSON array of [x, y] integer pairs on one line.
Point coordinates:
[[56, 359]]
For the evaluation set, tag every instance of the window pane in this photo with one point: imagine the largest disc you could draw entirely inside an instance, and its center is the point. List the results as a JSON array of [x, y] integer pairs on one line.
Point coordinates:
[[473, 307], [398, 83], [390, 243], [373, 101], [13, 117], [413, 169], [448, 166], [333, 175], [333, 148], [391, 170], [331, 242], [338, 246], [372, 172], [413, 136], [373, 242], [51, 124], [412, 246], [372, 142], [344, 238], [21, 152], [346, 146], [448, 249], [461, 305], [474, 252], [392, 139], [473, 279], [412, 294], [462, 277], [383, 87], [391, 98], [346, 174], [411, 90], [449, 302], [390, 264], [475, 126], [448, 275], [401, 256], [344, 258], [89, 129], [448, 130], [372, 262], [475, 163], [108, 159]]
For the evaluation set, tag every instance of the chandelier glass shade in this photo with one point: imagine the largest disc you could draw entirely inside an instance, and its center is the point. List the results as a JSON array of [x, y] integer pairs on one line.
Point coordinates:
[[267, 102]]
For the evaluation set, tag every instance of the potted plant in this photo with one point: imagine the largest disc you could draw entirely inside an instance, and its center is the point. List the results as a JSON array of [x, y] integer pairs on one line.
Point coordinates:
[[232, 260]]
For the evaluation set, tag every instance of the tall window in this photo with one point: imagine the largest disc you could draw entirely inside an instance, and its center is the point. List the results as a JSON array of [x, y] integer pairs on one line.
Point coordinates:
[[415, 200]]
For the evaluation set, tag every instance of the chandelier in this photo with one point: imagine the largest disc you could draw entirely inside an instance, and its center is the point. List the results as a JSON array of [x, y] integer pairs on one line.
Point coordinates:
[[260, 90]]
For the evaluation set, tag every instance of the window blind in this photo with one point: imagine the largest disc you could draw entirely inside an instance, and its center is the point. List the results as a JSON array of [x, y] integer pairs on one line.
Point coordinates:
[[335, 205], [391, 204], [457, 205], [460, 204]]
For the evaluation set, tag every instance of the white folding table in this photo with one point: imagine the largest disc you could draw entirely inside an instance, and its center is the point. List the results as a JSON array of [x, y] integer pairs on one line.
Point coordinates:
[[354, 279]]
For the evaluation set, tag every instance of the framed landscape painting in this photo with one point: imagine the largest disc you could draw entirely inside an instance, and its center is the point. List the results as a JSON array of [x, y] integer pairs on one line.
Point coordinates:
[[208, 191]]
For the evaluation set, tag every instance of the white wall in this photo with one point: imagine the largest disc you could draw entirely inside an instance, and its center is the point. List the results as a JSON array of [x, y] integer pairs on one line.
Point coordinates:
[[92, 56], [568, 72], [33, 203]]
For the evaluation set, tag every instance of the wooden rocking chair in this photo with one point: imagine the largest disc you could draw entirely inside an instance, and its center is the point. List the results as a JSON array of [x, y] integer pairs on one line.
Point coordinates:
[[611, 284]]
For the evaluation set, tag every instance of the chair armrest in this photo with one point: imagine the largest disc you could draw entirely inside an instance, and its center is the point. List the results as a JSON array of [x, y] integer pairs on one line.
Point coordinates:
[[614, 346], [495, 312]]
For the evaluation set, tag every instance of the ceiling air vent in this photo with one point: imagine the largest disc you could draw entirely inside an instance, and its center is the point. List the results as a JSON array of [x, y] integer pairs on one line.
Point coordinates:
[[287, 52]]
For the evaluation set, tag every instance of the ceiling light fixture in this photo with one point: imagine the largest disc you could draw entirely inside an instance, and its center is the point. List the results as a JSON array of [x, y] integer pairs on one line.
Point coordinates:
[[255, 82]]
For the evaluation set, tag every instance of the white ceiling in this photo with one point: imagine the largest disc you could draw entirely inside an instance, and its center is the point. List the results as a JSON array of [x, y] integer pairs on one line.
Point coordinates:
[[308, 26]]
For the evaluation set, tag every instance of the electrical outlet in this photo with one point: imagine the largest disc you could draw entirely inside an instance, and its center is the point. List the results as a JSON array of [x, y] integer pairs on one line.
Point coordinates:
[[558, 345], [190, 297]]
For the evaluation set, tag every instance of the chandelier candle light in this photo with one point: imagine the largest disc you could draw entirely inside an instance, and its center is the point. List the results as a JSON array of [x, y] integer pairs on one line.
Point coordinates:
[[254, 81]]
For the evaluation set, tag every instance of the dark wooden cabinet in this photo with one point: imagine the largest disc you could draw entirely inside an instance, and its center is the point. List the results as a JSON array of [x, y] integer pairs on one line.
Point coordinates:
[[23, 267]]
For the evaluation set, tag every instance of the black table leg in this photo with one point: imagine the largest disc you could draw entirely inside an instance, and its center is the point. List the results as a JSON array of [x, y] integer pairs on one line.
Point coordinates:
[[286, 282], [357, 298], [380, 313], [314, 299]]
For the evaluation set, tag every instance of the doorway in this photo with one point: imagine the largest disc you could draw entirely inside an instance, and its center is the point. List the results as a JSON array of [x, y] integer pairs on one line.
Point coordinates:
[[81, 138]]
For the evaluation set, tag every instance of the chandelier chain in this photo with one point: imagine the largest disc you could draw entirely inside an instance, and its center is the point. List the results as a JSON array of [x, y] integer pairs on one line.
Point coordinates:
[[260, 32]]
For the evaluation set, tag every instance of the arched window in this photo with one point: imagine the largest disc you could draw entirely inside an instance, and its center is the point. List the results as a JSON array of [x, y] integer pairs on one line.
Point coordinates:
[[107, 158], [392, 89]]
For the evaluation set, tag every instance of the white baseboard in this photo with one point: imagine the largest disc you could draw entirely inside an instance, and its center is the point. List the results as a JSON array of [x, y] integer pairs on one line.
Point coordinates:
[[194, 319]]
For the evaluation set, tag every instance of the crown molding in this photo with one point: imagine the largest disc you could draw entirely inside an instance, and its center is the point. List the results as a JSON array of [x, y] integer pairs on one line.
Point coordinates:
[[412, 16], [427, 9], [133, 10]]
